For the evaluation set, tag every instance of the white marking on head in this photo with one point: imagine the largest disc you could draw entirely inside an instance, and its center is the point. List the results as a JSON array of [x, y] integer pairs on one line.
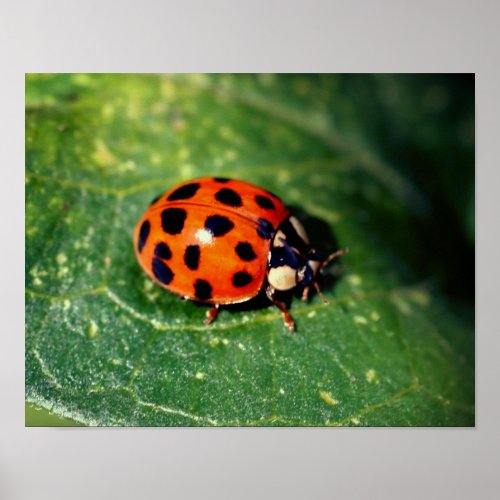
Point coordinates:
[[282, 278], [279, 239], [299, 228], [314, 265]]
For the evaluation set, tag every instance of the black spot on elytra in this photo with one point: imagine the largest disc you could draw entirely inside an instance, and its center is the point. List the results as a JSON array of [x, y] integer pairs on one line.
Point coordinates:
[[202, 289], [172, 220], [184, 192], [245, 251], [265, 229], [162, 272], [265, 202], [143, 235], [241, 279], [154, 200], [221, 179], [192, 257], [163, 251], [218, 225], [229, 197]]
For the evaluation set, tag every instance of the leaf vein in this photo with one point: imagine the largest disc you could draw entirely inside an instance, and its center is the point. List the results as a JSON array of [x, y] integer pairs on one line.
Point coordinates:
[[45, 369]]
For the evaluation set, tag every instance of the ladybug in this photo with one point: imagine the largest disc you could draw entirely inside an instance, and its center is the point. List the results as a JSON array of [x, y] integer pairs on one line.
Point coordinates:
[[222, 241]]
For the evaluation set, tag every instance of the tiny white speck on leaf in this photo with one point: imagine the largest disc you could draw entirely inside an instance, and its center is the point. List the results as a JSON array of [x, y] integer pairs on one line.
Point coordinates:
[[283, 176], [328, 398], [61, 258], [355, 280], [66, 305], [214, 342], [183, 154], [155, 158], [230, 154], [62, 272], [186, 171], [126, 166], [311, 314], [102, 155], [371, 376], [360, 320], [92, 329], [374, 315], [199, 376]]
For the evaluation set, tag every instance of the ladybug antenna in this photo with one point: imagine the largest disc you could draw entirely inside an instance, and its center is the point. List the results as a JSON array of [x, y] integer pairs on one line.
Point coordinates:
[[332, 256]]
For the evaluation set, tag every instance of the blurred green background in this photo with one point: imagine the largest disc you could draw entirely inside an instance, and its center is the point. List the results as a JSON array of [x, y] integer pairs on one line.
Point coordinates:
[[383, 164]]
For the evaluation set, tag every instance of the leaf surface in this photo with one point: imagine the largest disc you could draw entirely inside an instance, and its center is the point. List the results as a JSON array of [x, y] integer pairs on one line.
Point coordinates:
[[106, 346]]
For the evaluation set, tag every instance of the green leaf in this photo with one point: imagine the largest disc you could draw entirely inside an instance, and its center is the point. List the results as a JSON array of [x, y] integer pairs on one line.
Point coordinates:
[[106, 346]]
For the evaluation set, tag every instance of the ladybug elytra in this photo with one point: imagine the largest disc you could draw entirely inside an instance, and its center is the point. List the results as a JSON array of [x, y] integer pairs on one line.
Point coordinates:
[[221, 241]]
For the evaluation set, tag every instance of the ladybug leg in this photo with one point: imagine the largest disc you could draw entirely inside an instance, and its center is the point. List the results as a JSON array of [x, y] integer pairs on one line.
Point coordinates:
[[212, 314], [323, 298], [305, 293], [289, 322], [307, 290]]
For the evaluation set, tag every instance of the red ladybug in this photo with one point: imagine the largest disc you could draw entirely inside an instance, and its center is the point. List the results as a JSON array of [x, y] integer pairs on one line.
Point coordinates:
[[221, 241]]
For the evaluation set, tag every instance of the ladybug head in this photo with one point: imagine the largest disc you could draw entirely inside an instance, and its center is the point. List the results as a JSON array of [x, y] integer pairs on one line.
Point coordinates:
[[292, 261]]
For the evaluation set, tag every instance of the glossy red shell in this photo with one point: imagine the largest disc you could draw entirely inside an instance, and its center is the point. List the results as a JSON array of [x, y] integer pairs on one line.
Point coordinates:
[[195, 214]]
